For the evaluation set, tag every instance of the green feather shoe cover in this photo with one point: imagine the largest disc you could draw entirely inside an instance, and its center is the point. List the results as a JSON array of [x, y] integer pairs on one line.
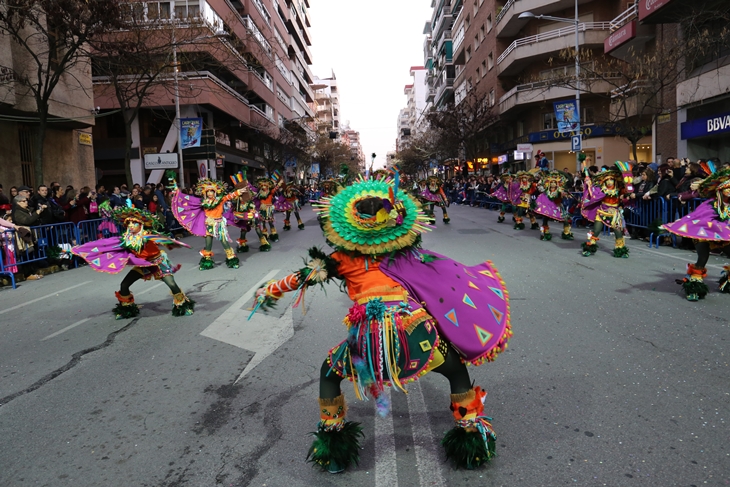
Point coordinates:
[[206, 263], [233, 262], [333, 450], [468, 449], [567, 236], [182, 305], [300, 226], [122, 312]]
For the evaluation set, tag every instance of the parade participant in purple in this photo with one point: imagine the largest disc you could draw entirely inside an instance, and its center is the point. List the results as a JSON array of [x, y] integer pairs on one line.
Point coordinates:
[[139, 247], [601, 205], [521, 191], [709, 227], [503, 193], [413, 312], [434, 196], [245, 216], [550, 205], [264, 198], [204, 216], [287, 202]]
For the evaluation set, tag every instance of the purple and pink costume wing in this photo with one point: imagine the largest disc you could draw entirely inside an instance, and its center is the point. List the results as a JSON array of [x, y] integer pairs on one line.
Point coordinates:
[[189, 212], [469, 303], [107, 255], [547, 207], [702, 224]]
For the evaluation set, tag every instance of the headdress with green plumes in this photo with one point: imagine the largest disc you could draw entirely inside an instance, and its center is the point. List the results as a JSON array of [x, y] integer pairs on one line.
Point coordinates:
[[397, 224]]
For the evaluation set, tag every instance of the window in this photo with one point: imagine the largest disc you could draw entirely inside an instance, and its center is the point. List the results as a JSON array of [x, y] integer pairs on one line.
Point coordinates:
[[158, 10], [476, 6], [187, 9], [468, 54], [484, 68], [520, 128], [132, 11], [476, 42], [242, 145], [489, 23], [481, 34], [492, 100], [467, 22], [589, 115], [548, 121], [490, 60]]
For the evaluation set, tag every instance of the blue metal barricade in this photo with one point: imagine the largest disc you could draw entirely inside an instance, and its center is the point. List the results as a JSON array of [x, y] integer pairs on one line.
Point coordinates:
[[7, 255], [45, 237]]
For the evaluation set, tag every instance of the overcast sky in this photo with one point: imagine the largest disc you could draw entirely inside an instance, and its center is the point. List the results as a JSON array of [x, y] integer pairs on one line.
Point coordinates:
[[370, 45]]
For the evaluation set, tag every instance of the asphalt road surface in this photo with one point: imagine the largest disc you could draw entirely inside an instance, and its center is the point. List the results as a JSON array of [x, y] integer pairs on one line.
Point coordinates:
[[612, 377]]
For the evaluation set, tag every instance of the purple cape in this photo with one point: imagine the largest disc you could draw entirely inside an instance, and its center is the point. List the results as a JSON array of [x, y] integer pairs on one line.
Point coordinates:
[[702, 224], [469, 303], [107, 255], [547, 207], [191, 215], [592, 199], [501, 194]]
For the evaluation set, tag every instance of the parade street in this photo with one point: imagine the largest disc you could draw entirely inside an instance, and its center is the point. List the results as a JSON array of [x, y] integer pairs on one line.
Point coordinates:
[[612, 376]]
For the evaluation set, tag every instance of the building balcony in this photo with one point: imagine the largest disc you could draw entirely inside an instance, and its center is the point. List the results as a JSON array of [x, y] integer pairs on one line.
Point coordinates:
[[444, 91], [544, 91], [444, 21], [508, 23], [457, 43], [445, 44], [526, 50], [430, 95], [707, 84]]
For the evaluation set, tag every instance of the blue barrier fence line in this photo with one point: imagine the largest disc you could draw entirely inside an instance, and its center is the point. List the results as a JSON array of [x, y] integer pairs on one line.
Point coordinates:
[[7, 241]]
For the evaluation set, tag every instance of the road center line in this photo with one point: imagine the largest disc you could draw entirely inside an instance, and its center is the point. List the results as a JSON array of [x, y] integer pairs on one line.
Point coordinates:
[[386, 468], [149, 288], [427, 451], [44, 297], [691, 259], [66, 329]]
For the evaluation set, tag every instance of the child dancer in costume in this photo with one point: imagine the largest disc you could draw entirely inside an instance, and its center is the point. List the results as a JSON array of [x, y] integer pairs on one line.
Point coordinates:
[[601, 198], [393, 336], [138, 247], [204, 217], [521, 192], [709, 227], [503, 194], [264, 197], [550, 205], [434, 196], [288, 202]]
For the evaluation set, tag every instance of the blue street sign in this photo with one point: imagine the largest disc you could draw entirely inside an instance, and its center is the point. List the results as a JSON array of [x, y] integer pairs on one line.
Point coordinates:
[[575, 143]]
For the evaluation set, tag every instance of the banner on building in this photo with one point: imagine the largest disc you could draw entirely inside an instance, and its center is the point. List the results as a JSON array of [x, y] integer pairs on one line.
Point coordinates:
[[314, 171], [191, 132], [566, 114]]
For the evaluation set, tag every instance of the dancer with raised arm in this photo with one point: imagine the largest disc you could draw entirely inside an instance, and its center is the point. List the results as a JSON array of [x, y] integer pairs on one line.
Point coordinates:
[[414, 311]]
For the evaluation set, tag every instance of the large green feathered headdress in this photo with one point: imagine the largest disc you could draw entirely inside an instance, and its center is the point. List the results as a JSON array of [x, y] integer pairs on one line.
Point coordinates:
[[398, 224]]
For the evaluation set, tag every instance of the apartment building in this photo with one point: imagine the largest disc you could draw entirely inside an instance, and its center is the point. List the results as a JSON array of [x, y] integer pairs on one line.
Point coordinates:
[[438, 54], [327, 100], [411, 120], [250, 82], [351, 138], [68, 154]]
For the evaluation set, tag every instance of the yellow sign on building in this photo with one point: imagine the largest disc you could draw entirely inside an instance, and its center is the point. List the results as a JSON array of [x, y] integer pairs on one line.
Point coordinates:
[[84, 138]]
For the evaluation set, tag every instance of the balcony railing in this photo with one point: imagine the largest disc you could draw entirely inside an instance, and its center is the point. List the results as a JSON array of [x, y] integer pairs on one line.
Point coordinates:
[[629, 14], [553, 34], [459, 38], [445, 17], [504, 10], [251, 27], [263, 11]]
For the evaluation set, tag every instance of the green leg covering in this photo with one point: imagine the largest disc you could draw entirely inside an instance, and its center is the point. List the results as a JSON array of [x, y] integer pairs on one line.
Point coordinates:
[[336, 450]]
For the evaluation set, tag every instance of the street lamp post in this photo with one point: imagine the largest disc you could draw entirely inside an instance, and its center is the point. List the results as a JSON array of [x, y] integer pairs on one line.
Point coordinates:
[[178, 123], [576, 22]]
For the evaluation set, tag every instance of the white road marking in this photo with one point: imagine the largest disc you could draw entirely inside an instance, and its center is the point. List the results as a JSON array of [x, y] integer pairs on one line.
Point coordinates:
[[427, 450], [262, 335], [66, 329], [44, 297], [386, 468], [149, 289]]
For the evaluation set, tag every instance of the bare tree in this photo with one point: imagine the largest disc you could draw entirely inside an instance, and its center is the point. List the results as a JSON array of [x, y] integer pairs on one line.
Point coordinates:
[[330, 154], [53, 35], [465, 127]]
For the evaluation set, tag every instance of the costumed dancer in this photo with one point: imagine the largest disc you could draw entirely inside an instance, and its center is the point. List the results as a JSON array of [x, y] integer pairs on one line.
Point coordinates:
[[413, 311], [264, 197], [503, 194], [522, 190], [551, 207], [709, 227], [245, 215], [434, 196], [204, 216], [288, 202], [601, 205], [139, 247]]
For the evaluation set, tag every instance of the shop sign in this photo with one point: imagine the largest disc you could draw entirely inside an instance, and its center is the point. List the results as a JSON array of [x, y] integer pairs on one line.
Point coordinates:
[[524, 148], [648, 7], [701, 127], [160, 161], [620, 37], [84, 138], [502, 159]]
